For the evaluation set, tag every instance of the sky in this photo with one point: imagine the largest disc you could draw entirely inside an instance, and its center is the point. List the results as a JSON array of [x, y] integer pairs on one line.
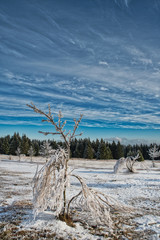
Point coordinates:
[[100, 58]]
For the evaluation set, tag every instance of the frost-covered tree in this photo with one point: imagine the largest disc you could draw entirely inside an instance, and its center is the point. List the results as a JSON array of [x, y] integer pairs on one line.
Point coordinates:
[[66, 136], [52, 180], [128, 162], [154, 153], [31, 152], [18, 152], [46, 149], [120, 164]]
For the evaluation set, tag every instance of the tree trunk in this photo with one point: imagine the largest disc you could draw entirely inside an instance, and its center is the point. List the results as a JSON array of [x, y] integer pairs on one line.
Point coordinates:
[[65, 176]]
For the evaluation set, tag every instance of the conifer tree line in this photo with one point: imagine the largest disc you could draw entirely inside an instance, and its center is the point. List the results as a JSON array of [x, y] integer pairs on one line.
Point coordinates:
[[80, 148]]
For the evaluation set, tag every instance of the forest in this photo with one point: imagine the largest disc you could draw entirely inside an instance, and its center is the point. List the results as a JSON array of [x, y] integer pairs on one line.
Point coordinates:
[[80, 148]]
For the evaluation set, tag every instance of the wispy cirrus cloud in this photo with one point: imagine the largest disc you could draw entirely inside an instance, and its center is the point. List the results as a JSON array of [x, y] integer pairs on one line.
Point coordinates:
[[106, 66]]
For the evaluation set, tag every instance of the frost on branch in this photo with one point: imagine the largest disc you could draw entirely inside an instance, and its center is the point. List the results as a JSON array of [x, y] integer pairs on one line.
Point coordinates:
[[95, 208], [120, 164], [49, 184], [52, 180], [91, 207], [128, 162]]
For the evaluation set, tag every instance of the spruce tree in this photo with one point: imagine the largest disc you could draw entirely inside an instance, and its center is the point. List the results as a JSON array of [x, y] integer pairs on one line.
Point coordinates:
[[36, 147], [15, 142], [88, 152], [102, 150], [141, 158], [25, 144], [113, 149], [109, 153], [76, 152], [119, 151], [5, 145]]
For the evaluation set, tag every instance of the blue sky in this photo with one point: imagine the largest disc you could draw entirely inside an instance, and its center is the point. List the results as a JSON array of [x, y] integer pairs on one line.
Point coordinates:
[[96, 57]]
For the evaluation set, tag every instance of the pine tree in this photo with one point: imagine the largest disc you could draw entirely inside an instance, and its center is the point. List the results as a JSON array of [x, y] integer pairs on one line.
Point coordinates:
[[79, 149], [1, 142], [141, 158], [113, 149], [119, 151], [15, 142], [102, 151], [36, 147], [88, 152], [25, 144], [109, 153], [5, 145], [77, 152], [95, 145]]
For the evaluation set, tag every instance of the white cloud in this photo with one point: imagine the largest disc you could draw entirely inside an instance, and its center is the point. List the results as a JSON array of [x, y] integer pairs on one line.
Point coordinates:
[[145, 61], [103, 63], [129, 141]]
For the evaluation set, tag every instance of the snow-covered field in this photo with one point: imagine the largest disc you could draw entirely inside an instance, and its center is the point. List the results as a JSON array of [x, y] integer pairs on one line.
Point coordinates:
[[140, 190]]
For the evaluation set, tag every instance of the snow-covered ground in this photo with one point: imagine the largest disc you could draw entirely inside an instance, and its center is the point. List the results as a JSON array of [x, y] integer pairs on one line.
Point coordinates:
[[140, 190]]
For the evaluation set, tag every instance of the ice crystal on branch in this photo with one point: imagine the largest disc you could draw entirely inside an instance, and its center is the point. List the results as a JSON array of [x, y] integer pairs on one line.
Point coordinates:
[[49, 184]]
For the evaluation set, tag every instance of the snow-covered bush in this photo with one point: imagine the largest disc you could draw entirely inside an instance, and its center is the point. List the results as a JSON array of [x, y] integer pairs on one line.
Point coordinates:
[[127, 162], [120, 164]]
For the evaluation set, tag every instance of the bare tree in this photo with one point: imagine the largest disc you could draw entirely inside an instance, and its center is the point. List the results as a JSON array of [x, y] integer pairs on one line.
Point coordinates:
[[18, 152], [52, 180], [154, 153]]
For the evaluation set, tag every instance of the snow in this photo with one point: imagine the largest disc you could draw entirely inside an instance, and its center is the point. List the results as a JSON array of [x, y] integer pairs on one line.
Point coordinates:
[[140, 190]]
